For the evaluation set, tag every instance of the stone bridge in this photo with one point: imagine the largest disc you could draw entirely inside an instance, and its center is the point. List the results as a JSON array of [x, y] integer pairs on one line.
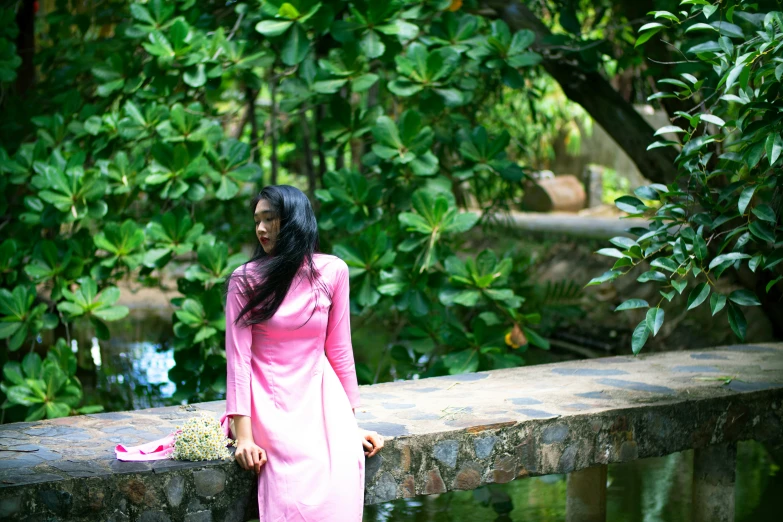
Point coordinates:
[[443, 433]]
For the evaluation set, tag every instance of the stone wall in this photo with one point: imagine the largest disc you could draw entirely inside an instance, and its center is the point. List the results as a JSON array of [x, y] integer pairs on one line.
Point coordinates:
[[444, 433]]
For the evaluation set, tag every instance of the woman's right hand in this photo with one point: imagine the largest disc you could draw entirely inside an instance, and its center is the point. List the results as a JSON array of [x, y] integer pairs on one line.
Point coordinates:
[[249, 455]]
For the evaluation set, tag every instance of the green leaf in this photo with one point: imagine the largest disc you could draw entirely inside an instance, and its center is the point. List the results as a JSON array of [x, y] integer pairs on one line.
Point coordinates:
[[159, 45], [654, 320], [744, 298], [53, 377], [700, 27], [623, 242], [711, 118], [774, 146], [732, 75], [371, 44], [227, 189], [755, 262], [139, 12], [717, 302], [55, 410], [195, 76], [676, 83], [12, 371], [698, 295], [700, 248], [727, 29], [32, 366], [295, 47], [610, 275], [631, 304], [273, 27], [744, 199], [22, 395], [460, 222], [765, 213], [611, 252], [535, 338], [36, 414], [669, 129], [732, 256], [204, 334], [664, 14], [363, 82], [640, 335], [106, 89], [651, 25], [288, 11], [652, 275], [666, 263], [464, 361], [111, 313], [414, 222], [647, 35], [630, 204], [737, 321], [763, 231]]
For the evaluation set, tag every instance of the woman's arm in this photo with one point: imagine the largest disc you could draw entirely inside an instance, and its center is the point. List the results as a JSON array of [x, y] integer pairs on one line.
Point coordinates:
[[248, 454], [338, 346], [238, 378], [339, 351], [238, 356]]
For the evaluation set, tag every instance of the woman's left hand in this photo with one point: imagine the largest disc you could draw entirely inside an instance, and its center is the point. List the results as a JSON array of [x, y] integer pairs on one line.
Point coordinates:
[[372, 442]]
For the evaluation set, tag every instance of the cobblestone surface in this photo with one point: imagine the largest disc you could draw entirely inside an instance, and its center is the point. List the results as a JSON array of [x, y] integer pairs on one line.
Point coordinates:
[[443, 433]]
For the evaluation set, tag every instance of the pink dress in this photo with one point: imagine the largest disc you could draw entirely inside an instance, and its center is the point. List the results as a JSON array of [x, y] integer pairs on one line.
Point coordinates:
[[298, 385]]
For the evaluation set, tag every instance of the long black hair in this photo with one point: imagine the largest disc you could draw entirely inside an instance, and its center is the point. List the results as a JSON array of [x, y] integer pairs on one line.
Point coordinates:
[[265, 280]]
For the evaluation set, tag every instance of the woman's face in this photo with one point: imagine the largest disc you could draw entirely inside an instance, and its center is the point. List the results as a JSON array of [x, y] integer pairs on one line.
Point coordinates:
[[267, 225]]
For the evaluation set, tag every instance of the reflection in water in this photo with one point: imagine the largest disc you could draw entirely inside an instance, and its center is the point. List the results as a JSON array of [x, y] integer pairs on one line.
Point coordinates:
[[131, 369], [150, 365]]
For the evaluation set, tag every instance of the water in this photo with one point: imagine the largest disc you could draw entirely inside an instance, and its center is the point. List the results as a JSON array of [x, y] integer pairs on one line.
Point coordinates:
[[131, 373]]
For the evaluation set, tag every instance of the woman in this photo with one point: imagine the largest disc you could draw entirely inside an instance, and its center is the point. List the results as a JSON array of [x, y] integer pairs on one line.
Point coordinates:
[[291, 383]]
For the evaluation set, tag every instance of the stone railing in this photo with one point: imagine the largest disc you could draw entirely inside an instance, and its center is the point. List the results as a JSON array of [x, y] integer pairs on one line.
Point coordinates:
[[569, 224], [443, 433]]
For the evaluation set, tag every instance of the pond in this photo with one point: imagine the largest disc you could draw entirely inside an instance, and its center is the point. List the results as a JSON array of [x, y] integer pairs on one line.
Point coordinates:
[[131, 373]]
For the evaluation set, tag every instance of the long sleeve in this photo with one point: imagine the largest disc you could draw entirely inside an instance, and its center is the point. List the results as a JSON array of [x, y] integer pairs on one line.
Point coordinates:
[[238, 356], [338, 346]]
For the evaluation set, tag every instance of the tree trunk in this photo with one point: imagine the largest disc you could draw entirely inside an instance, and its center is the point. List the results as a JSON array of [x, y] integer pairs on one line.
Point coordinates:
[[273, 129], [593, 92], [319, 115], [25, 46], [251, 96], [308, 154]]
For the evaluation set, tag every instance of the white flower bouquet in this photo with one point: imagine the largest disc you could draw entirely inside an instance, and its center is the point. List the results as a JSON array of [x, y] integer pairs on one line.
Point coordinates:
[[201, 438]]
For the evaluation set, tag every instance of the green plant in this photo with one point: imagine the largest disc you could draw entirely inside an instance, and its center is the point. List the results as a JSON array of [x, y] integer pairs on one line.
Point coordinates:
[[130, 156], [48, 388], [725, 210]]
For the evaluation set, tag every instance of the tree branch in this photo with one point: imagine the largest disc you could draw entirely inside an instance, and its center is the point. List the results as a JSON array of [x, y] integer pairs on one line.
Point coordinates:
[[593, 92]]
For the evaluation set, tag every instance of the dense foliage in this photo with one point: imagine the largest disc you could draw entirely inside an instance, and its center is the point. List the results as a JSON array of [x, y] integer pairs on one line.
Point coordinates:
[[724, 210], [126, 161]]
